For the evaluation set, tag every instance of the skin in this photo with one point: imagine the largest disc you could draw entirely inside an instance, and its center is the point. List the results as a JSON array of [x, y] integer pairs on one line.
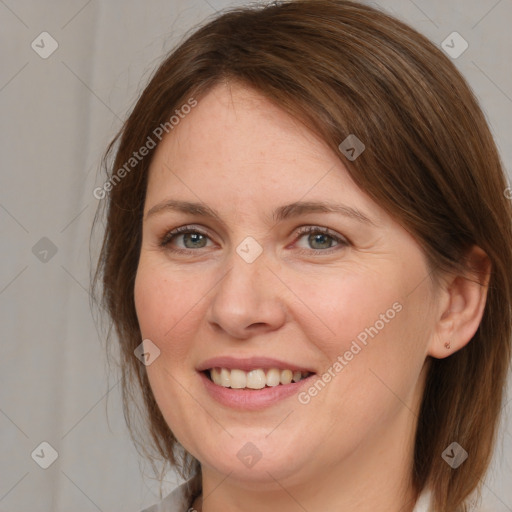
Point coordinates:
[[351, 446]]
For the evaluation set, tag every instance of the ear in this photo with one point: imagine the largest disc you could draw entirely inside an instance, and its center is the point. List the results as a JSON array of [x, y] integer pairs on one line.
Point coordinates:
[[460, 303]]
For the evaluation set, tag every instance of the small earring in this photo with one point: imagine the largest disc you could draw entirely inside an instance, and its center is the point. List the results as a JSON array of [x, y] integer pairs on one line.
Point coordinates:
[[447, 345]]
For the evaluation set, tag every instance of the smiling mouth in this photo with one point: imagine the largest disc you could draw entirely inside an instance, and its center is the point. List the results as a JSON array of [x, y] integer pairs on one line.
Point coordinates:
[[254, 379]]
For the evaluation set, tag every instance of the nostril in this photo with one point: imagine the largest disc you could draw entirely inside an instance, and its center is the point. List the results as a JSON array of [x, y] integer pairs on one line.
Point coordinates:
[[257, 324]]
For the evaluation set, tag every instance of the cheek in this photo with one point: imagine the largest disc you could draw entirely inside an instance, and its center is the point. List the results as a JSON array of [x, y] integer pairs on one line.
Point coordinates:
[[343, 305], [160, 299], [151, 301], [168, 309], [371, 319], [156, 304]]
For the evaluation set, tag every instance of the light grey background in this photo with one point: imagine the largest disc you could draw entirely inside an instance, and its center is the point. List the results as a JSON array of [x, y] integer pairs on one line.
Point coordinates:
[[57, 115]]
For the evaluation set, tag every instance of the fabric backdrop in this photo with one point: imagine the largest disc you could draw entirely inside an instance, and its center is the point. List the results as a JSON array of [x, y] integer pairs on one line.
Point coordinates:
[[70, 72]]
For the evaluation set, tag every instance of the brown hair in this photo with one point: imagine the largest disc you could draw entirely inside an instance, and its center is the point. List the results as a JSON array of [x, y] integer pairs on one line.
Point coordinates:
[[430, 160]]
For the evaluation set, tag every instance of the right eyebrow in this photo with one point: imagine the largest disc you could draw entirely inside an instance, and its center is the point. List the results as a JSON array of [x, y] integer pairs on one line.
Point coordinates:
[[185, 207]]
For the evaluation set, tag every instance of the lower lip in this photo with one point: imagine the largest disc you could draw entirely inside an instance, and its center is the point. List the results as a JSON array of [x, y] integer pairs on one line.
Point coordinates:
[[252, 399]]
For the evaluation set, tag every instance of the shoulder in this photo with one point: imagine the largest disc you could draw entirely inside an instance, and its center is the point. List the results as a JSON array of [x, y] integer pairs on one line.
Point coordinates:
[[176, 501], [423, 503]]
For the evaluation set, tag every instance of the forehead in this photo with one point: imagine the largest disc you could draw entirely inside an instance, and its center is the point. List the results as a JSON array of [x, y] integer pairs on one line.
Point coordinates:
[[237, 146], [234, 123]]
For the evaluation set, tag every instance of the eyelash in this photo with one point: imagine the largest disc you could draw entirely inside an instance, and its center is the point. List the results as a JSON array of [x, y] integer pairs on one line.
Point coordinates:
[[303, 230]]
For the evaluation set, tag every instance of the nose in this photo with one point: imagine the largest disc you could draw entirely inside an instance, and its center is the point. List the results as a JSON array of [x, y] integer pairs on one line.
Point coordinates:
[[248, 300]]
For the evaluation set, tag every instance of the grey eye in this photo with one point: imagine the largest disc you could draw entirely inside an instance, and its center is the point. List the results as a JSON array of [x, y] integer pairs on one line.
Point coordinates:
[[320, 241], [197, 240]]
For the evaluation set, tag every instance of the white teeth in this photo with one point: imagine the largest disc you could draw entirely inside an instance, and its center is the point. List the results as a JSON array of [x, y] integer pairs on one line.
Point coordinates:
[[254, 379], [238, 379], [225, 378], [215, 375], [273, 377], [221, 377], [286, 376]]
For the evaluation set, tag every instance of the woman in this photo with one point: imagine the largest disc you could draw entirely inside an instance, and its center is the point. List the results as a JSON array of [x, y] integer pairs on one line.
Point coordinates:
[[307, 248]]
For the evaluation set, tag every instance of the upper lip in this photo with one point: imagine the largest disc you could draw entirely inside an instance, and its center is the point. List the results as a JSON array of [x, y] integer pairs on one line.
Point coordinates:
[[250, 363]]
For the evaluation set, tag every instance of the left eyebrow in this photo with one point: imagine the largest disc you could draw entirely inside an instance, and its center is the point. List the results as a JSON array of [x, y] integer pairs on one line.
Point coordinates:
[[281, 213], [303, 207]]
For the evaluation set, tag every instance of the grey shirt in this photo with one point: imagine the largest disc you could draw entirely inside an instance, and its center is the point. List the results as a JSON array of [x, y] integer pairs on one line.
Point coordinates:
[[175, 502]]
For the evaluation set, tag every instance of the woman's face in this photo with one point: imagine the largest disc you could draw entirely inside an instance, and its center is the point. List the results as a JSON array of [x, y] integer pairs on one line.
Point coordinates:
[[350, 301]]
